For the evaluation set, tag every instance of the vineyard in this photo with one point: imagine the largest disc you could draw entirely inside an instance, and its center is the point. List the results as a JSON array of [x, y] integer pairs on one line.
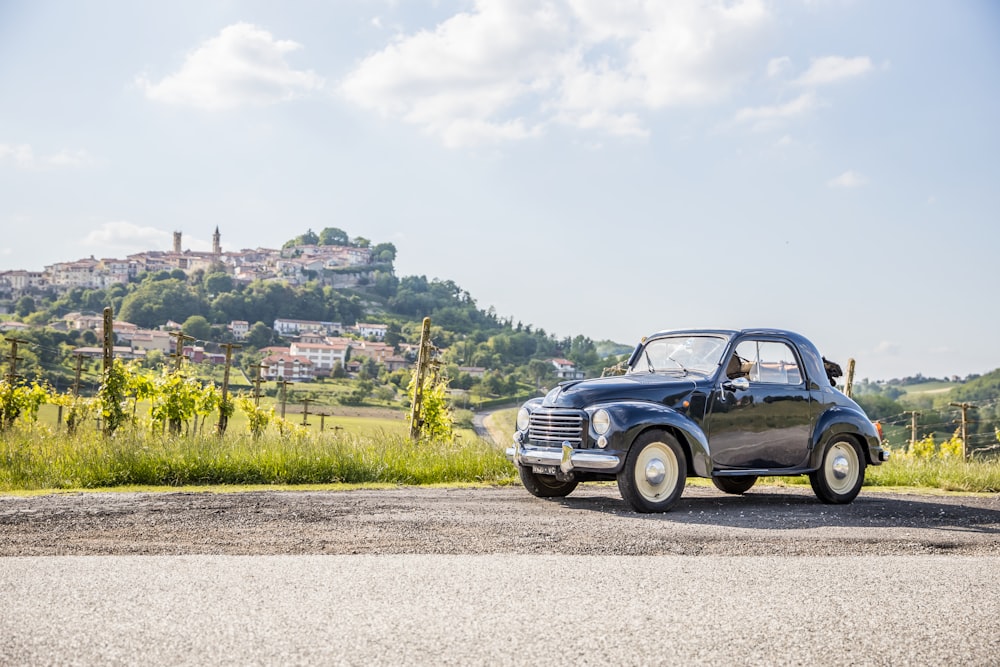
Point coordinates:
[[166, 428]]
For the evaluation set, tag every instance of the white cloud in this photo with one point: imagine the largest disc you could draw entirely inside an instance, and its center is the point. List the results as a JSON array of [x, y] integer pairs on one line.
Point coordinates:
[[778, 66], [802, 104], [507, 69], [831, 69], [23, 156], [849, 179], [127, 236], [243, 65]]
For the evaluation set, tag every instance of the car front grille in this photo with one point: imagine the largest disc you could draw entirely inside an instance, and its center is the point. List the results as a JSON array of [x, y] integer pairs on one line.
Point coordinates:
[[553, 427]]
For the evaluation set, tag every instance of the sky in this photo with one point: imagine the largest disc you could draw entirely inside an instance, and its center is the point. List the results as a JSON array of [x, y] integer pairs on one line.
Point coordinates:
[[605, 169]]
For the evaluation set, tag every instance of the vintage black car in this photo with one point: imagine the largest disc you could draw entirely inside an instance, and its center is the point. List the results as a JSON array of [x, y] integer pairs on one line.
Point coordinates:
[[728, 405]]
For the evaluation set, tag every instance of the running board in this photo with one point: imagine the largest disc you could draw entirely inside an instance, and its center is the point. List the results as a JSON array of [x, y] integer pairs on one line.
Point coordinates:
[[763, 472]]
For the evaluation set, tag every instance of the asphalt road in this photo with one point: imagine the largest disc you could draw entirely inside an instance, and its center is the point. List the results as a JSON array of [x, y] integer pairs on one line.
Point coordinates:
[[493, 576]]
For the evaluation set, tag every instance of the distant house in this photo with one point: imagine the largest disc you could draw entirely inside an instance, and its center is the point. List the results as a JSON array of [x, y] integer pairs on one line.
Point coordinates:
[[239, 328], [366, 330], [13, 326], [289, 367], [122, 329], [196, 354], [566, 370], [377, 351], [149, 339], [84, 321], [287, 327], [322, 356], [472, 371], [396, 363]]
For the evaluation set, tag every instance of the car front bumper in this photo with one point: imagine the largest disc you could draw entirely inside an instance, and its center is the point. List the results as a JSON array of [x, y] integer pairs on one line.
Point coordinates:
[[566, 458]]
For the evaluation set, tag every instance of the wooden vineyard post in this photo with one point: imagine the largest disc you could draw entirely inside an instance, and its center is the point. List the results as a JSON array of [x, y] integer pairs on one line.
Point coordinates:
[[224, 405], [423, 362]]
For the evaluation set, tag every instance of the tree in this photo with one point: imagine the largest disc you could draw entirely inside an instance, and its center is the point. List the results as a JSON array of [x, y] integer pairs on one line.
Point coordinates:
[[333, 236], [384, 252], [217, 283], [155, 302], [361, 242], [540, 371], [25, 306], [198, 327], [260, 335]]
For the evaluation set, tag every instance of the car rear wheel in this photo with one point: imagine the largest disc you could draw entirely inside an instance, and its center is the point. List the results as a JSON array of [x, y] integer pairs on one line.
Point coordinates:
[[841, 473], [545, 486], [734, 485], [654, 474]]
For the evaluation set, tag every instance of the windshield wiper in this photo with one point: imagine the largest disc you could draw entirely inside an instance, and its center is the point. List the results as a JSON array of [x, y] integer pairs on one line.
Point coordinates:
[[683, 368], [649, 363]]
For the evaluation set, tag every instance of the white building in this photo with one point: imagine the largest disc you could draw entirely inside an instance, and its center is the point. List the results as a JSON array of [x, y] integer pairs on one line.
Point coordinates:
[[239, 328], [366, 330], [566, 370], [321, 355], [282, 366], [287, 327]]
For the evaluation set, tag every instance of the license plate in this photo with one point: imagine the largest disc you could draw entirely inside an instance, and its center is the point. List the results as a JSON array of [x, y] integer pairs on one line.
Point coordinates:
[[545, 470]]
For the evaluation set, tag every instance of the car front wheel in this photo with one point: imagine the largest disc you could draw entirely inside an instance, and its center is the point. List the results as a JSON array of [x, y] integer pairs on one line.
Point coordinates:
[[841, 473], [654, 474], [545, 486]]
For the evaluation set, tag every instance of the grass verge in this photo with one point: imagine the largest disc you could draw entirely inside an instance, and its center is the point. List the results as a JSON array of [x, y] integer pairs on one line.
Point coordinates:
[[38, 460]]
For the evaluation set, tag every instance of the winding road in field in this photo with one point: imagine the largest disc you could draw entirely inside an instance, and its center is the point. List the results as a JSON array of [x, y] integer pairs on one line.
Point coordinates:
[[495, 576]]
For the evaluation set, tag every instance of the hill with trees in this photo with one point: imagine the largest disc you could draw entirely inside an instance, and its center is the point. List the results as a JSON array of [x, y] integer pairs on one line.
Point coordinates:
[[483, 354]]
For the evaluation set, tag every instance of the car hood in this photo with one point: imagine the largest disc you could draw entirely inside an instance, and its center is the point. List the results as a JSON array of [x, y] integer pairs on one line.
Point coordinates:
[[660, 388]]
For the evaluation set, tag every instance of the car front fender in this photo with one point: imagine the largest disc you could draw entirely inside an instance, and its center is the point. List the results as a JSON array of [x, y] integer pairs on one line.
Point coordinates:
[[632, 418]]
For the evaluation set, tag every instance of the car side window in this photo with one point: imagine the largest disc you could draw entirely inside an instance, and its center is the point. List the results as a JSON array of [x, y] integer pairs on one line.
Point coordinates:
[[770, 362]]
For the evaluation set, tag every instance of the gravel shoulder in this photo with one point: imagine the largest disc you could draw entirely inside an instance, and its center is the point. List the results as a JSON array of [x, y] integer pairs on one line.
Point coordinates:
[[495, 520]]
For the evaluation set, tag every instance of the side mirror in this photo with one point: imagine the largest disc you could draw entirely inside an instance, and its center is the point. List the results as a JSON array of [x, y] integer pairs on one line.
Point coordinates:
[[739, 384]]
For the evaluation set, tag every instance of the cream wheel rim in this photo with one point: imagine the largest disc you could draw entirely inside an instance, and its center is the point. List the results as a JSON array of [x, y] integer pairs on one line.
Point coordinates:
[[656, 472], [841, 467]]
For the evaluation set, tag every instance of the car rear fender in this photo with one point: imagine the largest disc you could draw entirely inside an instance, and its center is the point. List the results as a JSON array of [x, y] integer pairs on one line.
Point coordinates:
[[840, 420], [633, 418]]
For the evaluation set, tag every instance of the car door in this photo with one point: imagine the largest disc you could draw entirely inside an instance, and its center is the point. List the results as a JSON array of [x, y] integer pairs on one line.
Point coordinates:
[[768, 425]]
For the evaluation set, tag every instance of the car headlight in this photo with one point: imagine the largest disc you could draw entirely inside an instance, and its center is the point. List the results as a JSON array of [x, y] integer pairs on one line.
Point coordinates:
[[523, 417], [601, 421]]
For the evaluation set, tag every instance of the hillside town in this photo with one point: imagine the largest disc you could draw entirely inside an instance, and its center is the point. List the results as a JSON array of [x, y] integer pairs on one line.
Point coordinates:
[[338, 266], [308, 350]]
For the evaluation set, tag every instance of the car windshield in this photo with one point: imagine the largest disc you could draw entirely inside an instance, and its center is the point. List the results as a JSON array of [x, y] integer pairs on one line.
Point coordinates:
[[689, 353]]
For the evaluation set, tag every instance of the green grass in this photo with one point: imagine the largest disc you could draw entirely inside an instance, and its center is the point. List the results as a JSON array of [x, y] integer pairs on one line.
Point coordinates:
[[913, 390], [363, 448], [506, 421], [937, 474], [943, 474], [41, 459]]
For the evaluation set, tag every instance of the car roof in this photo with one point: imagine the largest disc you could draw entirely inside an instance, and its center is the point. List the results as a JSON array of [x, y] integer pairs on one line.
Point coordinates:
[[783, 333]]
